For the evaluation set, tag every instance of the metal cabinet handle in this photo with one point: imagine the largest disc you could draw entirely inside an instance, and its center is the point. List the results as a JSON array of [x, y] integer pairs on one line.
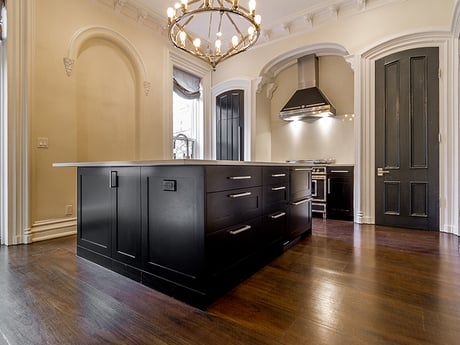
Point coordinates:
[[328, 186], [240, 177], [278, 175], [300, 202], [243, 229], [278, 188], [240, 195], [277, 215], [113, 179], [314, 185], [339, 171], [302, 169]]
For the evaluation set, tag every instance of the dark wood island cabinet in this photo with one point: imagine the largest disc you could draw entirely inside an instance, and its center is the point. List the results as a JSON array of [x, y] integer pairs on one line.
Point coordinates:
[[191, 229]]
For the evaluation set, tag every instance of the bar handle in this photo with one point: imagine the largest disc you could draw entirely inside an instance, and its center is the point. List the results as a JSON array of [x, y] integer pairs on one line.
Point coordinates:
[[239, 231], [278, 188], [277, 215], [113, 179], [278, 175], [300, 202], [240, 177], [240, 195]]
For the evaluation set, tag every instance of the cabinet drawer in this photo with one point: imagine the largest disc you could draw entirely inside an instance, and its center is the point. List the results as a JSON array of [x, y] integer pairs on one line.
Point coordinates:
[[227, 247], [275, 175], [232, 207], [274, 196], [220, 178], [273, 226]]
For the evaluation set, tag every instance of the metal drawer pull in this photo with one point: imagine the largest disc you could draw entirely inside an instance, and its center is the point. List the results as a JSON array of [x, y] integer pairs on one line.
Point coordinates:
[[240, 195], [339, 171], [278, 215], [278, 175], [243, 229], [240, 177], [300, 202], [278, 188], [302, 169]]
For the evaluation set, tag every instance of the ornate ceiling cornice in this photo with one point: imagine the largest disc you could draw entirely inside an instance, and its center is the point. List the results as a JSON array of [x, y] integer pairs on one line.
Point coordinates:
[[323, 13]]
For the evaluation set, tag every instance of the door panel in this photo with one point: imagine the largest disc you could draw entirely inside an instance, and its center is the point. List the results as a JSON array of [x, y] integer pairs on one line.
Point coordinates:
[[406, 134], [230, 125]]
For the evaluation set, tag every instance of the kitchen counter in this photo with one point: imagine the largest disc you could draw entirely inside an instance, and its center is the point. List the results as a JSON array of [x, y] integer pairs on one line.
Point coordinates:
[[175, 162], [190, 228]]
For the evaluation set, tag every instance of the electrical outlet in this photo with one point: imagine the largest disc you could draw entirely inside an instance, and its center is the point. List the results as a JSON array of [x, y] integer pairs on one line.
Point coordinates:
[[68, 210], [42, 143]]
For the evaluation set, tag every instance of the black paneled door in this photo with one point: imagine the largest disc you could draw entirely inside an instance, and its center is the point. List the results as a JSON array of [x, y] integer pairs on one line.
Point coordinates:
[[406, 139], [230, 125]]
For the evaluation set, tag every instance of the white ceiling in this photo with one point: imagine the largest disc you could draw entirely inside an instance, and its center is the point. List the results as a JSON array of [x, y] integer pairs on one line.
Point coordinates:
[[278, 16]]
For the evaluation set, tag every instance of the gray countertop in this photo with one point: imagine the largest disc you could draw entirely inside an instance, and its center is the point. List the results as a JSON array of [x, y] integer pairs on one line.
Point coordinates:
[[169, 162]]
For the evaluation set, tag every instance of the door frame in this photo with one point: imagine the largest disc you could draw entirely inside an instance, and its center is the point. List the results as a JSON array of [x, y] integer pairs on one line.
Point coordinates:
[[364, 66]]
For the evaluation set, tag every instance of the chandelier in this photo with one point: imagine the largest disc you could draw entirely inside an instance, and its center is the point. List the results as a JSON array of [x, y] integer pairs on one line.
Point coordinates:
[[213, 30]]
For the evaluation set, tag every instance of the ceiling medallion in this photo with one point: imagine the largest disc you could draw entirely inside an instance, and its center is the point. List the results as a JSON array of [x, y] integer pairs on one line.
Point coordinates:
[[213, 30]]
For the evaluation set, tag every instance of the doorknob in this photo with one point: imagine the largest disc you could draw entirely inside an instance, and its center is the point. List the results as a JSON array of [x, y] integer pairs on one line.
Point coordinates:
[[380, 171]]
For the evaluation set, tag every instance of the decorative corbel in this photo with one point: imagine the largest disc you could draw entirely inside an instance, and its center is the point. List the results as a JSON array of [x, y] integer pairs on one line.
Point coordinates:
[[68, 65]]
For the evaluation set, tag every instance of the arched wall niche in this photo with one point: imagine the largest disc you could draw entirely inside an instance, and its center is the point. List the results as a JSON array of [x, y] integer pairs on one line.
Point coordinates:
[[91, 38]]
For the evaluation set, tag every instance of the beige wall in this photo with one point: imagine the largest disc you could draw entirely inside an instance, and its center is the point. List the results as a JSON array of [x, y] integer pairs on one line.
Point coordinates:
[[316, 138], [100, 111]]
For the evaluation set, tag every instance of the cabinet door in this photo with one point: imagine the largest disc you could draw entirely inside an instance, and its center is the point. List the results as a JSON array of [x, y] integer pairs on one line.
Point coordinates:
[[340, 193], [227, 247], [299, 218], [126, 224], [273, 227], [299, 183], [173, 222], [94, 210]]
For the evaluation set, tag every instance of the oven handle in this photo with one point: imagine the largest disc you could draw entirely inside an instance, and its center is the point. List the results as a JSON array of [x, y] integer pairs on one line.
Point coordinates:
[[318, 177], [314, 187]]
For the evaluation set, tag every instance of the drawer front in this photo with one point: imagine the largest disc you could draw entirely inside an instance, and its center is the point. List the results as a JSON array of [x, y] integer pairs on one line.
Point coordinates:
[[275, 195], [232, 207], [220, 178], [275, 175], [273, 226], [227, 247]]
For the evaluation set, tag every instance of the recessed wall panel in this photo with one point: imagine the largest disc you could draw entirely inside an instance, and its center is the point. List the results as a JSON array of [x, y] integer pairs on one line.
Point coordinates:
[[392, 190], [418, 113], [419, 199], [392, 119]]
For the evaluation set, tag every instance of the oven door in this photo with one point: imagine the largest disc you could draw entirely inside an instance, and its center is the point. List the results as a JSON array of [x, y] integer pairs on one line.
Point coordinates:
[[318, 188]]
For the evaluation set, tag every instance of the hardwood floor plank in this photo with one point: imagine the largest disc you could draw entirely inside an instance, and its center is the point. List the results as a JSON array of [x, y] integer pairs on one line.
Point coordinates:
[[346, 284]]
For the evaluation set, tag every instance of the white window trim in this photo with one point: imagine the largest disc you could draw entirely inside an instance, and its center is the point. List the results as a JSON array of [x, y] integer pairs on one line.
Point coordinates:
[[203, 71]]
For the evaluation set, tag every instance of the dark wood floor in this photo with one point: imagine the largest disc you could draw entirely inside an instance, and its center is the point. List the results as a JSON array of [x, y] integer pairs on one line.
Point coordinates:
[[347, 284]]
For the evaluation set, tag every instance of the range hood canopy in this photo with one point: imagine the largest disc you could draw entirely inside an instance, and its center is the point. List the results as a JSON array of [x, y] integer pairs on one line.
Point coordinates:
[[308, 101]]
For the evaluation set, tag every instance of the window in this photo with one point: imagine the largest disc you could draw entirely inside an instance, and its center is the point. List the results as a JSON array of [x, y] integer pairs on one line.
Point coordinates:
[[187, 115]]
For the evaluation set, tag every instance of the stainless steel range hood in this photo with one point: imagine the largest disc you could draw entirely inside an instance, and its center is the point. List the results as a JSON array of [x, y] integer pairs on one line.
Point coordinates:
[[308, 101]]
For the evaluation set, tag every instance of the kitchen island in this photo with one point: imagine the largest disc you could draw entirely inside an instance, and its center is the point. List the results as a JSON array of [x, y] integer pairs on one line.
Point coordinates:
[[190, 228]]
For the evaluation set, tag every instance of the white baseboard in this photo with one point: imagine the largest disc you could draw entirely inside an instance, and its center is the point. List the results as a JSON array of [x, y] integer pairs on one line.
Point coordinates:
[[49, 229]]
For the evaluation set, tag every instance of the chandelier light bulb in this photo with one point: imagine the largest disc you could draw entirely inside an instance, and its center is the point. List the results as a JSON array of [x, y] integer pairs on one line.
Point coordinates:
[[182, 37], [171, 12], [251, 31], [177, 5], [252, 6], [184, 4], [258, 19], [218, 45], [197, 43], [235, 41]]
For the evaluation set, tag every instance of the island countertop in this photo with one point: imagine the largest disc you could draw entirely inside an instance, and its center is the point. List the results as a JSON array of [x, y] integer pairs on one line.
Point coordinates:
[[175, 162]]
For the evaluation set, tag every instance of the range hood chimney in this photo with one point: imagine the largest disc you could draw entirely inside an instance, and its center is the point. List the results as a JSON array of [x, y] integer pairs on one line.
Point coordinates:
[[308, 101]]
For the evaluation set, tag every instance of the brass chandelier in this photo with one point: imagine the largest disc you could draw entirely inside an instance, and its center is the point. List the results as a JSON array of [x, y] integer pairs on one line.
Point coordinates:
[[230, 28]]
